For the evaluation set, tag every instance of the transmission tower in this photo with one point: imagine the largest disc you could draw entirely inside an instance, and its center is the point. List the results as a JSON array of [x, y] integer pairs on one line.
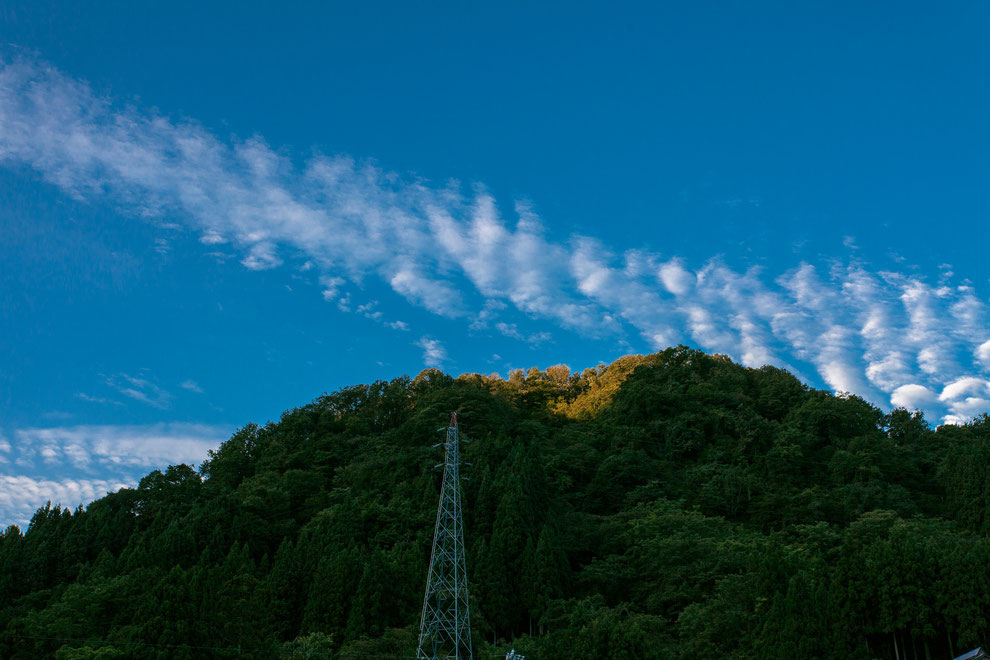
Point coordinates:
[[445, 627]]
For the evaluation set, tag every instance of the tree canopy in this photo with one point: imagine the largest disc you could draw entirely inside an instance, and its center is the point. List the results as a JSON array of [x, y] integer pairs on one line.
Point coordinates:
[[674, 505]]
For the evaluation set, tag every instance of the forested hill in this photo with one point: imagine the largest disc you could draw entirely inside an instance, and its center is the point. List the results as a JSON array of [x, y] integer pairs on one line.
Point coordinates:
[[675, 505]]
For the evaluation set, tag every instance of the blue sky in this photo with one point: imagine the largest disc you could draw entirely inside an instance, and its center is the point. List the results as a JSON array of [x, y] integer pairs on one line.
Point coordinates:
[[211, 214]]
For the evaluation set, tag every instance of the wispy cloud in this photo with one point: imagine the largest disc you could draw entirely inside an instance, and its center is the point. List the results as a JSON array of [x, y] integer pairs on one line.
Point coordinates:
[[983, 354], [21, 496], [369, 312], [434, 353], [98, 399], [192, 386], [91, 447], [140, 389], [512, 330], [891, 337], [95, 452]]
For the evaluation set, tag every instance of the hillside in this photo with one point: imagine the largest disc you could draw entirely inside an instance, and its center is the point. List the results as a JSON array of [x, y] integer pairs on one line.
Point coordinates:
[[675, 505]]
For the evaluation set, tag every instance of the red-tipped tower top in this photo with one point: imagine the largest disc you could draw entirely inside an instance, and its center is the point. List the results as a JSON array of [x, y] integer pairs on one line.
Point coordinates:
[[453, 419]]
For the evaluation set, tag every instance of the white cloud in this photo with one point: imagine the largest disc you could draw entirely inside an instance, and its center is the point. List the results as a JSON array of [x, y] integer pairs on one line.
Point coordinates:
[[512, 331], [21, 496], [368, 311], [98, 399], [969, 385], [963, 410], [983, 353], [119, 450], [211, 238], [4, 445], [398, 325], [140, 389], [868, 332], [677, 279], [331, 286], [86, 447], [192, 386], [929, 332], [912, 397], [435, 295], [261, 256], [434, 353]]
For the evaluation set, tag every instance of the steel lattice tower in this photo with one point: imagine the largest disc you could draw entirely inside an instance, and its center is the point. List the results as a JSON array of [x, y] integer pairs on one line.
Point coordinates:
[[445, 627]]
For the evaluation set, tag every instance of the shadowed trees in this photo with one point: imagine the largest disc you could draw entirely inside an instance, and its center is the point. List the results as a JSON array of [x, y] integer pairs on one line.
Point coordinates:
[[673, 505]]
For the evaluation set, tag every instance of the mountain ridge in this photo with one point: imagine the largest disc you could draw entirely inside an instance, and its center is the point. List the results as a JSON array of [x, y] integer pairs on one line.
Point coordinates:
[[672, 505]]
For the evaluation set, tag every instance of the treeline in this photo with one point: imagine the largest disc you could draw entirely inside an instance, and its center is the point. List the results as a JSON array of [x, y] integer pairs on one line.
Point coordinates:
[[675, 505]]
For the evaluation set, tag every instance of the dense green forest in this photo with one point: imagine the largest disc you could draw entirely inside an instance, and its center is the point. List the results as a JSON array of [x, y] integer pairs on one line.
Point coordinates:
[[674, 505]]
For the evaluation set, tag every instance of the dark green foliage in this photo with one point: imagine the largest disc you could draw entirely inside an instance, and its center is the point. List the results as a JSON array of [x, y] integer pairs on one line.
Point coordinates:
[[673, 505]]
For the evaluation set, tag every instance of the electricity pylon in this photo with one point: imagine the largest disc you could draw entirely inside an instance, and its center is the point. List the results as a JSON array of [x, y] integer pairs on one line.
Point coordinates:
[[445, 627]]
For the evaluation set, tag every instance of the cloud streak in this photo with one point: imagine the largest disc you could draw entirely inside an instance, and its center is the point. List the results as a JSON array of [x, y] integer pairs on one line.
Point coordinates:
[[139, 389], [192, 386], [88, 447], [21, 496], [99, 458], [894, 338], [434, 352]]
